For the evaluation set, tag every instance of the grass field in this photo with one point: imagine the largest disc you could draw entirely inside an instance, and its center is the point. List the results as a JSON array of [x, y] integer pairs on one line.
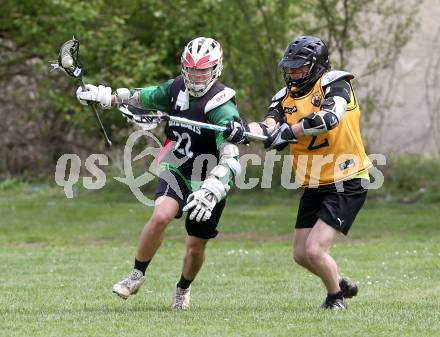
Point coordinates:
[[59, 259]]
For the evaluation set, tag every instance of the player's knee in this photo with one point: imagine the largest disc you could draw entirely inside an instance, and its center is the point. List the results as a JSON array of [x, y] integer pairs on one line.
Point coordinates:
[[160, 219], [300, 257], [314, 252], [195, 250]]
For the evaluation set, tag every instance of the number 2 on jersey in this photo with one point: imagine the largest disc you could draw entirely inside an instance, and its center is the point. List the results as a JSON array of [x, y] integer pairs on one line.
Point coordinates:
[[312, 145]]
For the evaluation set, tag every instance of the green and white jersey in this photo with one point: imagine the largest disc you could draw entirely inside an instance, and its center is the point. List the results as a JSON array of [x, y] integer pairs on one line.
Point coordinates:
[[188, 150]]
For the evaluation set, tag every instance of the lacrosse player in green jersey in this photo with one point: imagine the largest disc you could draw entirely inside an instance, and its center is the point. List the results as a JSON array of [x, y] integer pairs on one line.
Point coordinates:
[[187, 182]]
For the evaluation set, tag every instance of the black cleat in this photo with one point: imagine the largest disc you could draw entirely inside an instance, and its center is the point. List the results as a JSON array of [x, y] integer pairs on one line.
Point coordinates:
[[349, 288], [334, 304]]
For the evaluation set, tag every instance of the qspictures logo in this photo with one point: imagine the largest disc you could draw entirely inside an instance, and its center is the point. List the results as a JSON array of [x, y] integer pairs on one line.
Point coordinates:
[[310, 168]]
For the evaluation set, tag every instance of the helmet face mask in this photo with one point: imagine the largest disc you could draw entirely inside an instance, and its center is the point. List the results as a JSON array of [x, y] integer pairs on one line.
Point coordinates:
[[298, 83], [201, 65], [297, 74], [304, 51], [198, 80]]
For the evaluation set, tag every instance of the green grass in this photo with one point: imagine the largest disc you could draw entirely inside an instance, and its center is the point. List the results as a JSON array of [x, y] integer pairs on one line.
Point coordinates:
[[59, 259]]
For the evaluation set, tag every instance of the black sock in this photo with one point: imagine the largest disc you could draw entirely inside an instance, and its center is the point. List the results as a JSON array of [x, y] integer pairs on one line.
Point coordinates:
[[142, 266], [335, 296], [184, 283]]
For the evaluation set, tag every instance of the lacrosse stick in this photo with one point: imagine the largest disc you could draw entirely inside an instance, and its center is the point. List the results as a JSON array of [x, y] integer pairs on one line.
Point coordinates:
[[68, 61], [149, 119]]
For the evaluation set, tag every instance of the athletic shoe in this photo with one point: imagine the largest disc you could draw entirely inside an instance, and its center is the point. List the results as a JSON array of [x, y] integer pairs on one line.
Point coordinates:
[[349, 288], [130, 285], [334, 304], [181, 298]]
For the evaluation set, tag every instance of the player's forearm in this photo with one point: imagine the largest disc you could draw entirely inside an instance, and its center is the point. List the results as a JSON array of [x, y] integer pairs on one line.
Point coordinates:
[[271, 124], [257, 128]]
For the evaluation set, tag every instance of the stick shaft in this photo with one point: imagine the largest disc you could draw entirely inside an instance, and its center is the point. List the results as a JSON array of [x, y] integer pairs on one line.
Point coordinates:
[[98, 119], [181, 120], [212, 127]]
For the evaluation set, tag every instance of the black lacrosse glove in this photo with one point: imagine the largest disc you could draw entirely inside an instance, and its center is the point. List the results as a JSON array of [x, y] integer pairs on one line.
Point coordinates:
[[279, 138], [235, 132]]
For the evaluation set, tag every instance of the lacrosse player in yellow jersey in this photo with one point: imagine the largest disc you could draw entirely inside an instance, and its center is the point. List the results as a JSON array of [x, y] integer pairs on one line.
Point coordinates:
[[318, 115]]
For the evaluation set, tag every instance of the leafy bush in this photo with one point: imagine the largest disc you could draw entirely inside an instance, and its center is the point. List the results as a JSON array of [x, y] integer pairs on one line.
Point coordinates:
[[412, 177]]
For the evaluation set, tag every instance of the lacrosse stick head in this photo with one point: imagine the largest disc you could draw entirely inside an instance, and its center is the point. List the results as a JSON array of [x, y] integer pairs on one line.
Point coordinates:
[[68, 59]]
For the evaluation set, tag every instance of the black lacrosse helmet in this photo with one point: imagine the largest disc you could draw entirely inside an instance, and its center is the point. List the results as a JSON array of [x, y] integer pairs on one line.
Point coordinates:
[[305, 50]]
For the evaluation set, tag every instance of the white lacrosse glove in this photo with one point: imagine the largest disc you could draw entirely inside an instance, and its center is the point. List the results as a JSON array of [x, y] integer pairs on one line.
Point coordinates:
[[203, 201], [92, 93]]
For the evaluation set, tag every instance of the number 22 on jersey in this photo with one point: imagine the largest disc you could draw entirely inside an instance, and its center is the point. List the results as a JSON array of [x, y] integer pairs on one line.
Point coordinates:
[[183, 144]]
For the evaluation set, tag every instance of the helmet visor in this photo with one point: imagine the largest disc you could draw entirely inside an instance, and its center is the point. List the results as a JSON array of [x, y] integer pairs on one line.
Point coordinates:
[[293, 63]]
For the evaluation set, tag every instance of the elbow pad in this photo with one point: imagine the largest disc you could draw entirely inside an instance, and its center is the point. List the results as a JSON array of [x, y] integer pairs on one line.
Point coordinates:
[[228, 158], [218, 178], [333, 110], [336, 105], [315, 124]]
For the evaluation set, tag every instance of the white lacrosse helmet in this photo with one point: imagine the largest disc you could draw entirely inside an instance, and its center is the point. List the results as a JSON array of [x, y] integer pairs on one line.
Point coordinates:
[[201, 65]]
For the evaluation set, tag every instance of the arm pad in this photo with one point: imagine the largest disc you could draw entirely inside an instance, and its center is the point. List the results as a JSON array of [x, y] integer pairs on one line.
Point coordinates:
[[228, 158], [315, 124], [336, 105], [219, 177], [333, 110]]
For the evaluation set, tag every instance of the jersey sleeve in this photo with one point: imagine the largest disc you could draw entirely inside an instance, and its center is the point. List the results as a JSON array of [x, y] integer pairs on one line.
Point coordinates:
[[157, 97], [223, 115]]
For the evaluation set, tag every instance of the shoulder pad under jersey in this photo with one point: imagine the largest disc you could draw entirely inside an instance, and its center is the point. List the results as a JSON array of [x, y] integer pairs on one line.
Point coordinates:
[[334, 75], [222, 97], [280, 94], [278, 97]]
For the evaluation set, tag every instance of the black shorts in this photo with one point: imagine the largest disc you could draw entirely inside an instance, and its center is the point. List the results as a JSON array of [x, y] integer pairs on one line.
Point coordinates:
[[337, 209], [173, 185]]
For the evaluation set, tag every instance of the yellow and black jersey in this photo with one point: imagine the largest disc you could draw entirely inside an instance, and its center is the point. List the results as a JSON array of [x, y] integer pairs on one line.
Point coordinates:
[[330, 157]]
